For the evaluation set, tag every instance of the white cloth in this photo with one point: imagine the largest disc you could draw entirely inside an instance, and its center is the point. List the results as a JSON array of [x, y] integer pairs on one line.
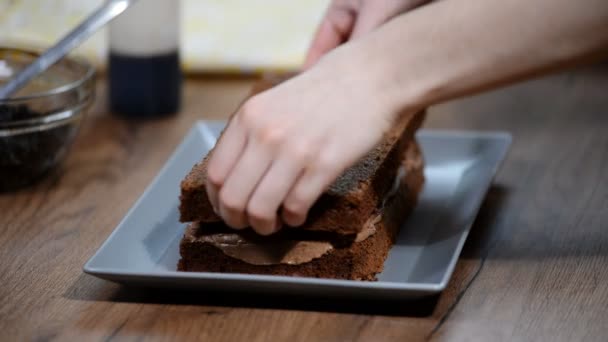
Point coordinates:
[[217, 35]]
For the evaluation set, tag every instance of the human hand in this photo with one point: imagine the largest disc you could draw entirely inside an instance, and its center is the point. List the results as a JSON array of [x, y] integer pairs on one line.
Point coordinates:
[[349, 19], [285, 146]]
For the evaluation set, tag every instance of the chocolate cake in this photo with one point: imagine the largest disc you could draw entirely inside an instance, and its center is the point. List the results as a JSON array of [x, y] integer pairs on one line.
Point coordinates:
[[349, 229], [355, 192], [213, 247]]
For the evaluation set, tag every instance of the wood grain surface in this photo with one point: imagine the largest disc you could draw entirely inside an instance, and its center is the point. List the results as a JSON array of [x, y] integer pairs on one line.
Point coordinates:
[[535, 267]]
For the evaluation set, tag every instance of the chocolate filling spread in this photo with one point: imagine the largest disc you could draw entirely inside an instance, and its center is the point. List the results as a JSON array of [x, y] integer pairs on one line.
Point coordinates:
[[273, 250]]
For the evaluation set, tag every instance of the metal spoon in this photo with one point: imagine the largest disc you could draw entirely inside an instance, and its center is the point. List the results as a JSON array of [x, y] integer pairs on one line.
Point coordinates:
[[108, 11]]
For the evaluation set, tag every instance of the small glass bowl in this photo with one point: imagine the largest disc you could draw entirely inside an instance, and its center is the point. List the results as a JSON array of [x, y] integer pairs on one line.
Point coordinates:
[[40, 122]]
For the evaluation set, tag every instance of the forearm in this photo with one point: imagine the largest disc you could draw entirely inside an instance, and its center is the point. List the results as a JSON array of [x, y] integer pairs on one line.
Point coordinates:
[[458, 47]]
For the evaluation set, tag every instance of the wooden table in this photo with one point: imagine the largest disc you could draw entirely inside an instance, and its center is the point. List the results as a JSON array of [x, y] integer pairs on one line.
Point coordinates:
[[534, 268]]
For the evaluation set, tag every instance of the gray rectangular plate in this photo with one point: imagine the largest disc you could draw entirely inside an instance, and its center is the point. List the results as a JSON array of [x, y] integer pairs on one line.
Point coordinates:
[[143, 249]]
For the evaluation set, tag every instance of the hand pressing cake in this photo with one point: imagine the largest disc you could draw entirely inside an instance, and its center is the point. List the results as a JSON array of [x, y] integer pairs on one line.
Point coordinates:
[[345, 205], [349, 230]]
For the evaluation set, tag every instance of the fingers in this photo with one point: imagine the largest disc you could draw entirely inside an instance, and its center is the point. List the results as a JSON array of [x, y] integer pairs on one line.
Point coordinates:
[[335, 29], [243, 179], [270, 193], [225, 155], [250, 187], [313, 182]]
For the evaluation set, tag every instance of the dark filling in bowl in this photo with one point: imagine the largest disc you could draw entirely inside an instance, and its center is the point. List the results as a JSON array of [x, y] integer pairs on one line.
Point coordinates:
[[16, 112], [26, 157]]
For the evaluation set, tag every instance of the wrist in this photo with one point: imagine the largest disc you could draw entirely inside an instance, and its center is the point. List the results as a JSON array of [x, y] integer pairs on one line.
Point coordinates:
[[398, 82], [367, 76]]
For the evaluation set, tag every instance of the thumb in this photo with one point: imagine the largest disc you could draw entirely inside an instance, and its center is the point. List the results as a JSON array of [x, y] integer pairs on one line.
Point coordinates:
[[335, 29], [375, 13]]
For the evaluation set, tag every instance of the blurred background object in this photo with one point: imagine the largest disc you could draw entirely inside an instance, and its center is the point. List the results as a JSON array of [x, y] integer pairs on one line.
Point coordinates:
[[39, 124], [144, 72], [217, 35]]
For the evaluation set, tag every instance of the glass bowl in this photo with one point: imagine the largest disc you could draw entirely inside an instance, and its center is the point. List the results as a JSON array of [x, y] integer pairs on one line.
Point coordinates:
[[40, 122]]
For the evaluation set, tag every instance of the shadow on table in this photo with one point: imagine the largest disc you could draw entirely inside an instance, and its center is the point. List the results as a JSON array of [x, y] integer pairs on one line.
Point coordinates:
[[486, 229], [88, 288], [418, 307], [507, 229]]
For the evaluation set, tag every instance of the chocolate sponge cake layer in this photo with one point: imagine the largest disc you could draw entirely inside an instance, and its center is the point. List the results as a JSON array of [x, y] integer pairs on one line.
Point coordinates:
[[357, 260], [352, 198]]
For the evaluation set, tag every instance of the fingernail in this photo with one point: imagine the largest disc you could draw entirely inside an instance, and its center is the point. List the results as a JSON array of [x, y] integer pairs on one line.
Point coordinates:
[[221, 213], [277, 226]]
